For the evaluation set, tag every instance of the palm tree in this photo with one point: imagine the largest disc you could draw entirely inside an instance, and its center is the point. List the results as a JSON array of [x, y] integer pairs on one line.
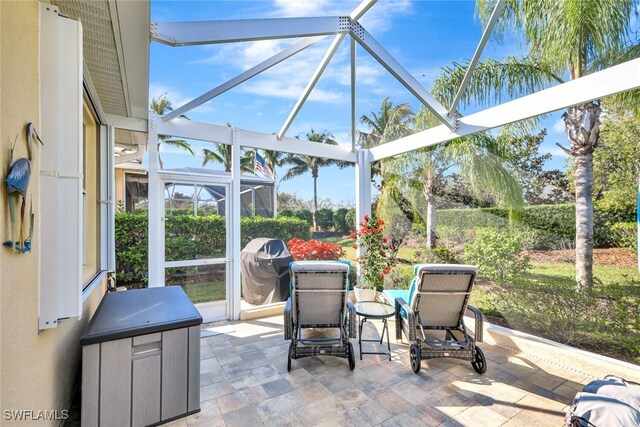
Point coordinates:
[[161, 106], [303, 164], [223, 154], [566, 38], [479, 159], [389, 123]]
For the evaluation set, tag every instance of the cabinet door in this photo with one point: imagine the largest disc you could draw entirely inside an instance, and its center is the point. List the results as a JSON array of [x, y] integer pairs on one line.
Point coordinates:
[[146, 391], [145, 405], [115, 383], [175, 372]]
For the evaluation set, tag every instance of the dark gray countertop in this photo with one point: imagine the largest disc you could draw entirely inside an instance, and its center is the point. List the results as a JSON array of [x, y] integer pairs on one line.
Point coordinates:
[[140, 311]]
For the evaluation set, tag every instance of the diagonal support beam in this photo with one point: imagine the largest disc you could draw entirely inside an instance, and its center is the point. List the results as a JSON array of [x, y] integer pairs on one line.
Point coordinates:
[[263, 66], [212, 32], [385, 59], [620, 78], [357, 13], [497, 11], [314, 79]]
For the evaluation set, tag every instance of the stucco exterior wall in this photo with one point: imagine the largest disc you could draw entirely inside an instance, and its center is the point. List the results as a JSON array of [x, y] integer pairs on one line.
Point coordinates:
[[38, 370]]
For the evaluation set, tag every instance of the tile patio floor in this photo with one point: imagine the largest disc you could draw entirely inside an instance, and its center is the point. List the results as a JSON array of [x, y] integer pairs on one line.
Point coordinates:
[[244, 382]]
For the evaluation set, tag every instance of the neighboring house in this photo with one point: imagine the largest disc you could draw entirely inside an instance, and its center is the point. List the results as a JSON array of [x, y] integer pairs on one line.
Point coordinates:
[[76, 83], [257, 196]]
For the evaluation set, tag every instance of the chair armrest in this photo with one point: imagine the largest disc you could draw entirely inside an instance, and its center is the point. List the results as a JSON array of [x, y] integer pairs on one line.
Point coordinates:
[[479, 318], [411, 320], [351, 320], [288, 320]]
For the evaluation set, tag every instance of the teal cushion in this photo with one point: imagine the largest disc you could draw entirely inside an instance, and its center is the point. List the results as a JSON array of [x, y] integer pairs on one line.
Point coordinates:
[[392, 294]]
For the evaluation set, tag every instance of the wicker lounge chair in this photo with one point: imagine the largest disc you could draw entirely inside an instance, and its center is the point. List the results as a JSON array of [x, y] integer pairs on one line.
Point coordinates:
[[319, 299], [437, 301]]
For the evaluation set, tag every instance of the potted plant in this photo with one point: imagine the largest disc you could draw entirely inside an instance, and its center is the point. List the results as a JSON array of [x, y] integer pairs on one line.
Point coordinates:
[[376, 257]]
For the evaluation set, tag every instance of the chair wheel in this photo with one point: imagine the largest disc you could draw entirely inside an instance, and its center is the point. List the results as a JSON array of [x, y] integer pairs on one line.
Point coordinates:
[[479, 362], [414, 357], [351, 356], [290, 355]]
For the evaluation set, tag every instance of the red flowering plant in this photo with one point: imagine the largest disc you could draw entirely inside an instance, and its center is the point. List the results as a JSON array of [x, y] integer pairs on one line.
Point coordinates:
[[377, 257], [303, 250]]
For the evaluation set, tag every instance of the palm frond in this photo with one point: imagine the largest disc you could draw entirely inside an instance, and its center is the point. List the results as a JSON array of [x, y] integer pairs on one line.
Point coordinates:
[[494, 82]]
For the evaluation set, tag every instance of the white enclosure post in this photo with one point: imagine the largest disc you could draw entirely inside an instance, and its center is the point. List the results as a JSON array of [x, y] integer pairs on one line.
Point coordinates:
[[156, 209], [235, 213], [363, 189]]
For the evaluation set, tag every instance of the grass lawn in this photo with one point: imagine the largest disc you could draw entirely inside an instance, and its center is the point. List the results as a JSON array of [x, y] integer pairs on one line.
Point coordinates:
[[206, 292]]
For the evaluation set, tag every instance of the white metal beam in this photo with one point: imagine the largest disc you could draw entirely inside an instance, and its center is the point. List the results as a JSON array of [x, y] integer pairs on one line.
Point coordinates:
[[263, 66], [236, 244], [497, 11], [191, 129], [619, 78], [385, 59], [156, 209], [353, 94], [362, 8], [363, 191], [294, 145], [230, 31], [314, 79], [127, 123]]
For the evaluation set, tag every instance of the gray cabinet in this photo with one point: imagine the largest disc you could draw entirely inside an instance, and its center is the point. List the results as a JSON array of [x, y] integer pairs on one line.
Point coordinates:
[[149, 372]]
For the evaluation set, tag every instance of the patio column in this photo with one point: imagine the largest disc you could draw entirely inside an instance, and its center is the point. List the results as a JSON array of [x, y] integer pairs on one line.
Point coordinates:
[[156, 209], [235, 247], [363, 188]]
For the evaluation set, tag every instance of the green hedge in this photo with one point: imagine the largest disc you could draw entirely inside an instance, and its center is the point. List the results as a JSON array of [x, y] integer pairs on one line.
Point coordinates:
[[191, 237], [550, 225]]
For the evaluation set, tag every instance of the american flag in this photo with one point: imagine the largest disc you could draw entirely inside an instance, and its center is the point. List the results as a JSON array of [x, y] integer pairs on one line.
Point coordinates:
[[263, 167]]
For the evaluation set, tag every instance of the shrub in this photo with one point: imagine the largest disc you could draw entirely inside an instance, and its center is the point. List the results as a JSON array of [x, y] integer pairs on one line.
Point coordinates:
[[350, 218], [190, 237], [625, 235], [340, 221], [600, 317], [305, 215], [439, 255], [496, 253], [131, 247], [399, 277], [555, 225], [286, 213], [314, 250], [324, 219]]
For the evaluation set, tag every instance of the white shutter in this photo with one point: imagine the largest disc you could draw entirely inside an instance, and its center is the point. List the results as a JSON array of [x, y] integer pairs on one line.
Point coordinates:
[[60, 213]]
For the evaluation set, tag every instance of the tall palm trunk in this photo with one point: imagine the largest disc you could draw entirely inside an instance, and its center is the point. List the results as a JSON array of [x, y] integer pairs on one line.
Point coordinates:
[[583, 131], [430, 198]]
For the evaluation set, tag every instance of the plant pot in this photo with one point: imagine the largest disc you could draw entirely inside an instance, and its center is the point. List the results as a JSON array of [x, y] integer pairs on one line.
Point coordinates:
[[364, 294]]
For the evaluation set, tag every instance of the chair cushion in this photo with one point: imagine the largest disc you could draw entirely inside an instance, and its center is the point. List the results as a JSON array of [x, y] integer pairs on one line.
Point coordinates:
[[392, 294]]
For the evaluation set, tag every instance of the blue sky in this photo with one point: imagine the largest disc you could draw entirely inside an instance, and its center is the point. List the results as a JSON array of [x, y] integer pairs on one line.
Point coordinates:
[[422, 35]]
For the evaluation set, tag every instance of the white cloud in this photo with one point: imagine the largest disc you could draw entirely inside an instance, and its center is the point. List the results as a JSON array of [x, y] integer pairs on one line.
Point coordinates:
[[558, 126], [282, 89], [301, 8]]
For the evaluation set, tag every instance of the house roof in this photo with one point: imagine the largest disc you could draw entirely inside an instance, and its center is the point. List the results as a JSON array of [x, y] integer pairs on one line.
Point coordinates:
[[116, 52]]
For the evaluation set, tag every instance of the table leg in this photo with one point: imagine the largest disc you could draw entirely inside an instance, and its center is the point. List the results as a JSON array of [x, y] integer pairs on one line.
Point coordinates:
[[386, 325], [360, 325]]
